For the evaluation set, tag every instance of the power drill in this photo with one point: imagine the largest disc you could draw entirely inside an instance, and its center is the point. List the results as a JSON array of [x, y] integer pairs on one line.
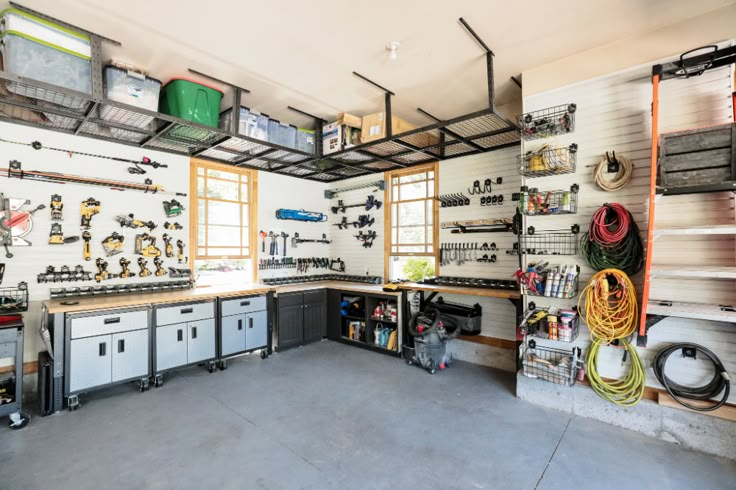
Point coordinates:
[[180, 255], [160, 271], [124, 263], [102, 273], [168, 248], [56, 207], [173, 226], [90, 207], [148, 251], [143, 264]]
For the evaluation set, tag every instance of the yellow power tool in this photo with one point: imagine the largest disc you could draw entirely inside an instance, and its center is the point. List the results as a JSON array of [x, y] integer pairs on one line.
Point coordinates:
[[124, 263], [143, 264], [168, 248], [86, 249], [180, 250], [149, 250], [113, 244], [160, 271], [56, 236], [90, 207]]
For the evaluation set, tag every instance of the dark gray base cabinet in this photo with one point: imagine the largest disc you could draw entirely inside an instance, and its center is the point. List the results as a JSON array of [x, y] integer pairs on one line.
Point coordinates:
[[302, 318]]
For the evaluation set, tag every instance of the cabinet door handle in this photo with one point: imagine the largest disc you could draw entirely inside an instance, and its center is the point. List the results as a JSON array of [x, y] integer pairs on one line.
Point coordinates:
[[185, 311], [194, 332], [179, 335], [108, 321], [103, 349], [244, 303], [240, 324], [121, 346], [250, 322]]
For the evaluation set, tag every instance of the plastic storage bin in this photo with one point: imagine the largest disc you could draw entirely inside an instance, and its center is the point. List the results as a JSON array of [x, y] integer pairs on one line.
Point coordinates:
[[133, 89], [14, 20], [305, 140], [252, 123], [281, 133], [192, 101], [45, 63]]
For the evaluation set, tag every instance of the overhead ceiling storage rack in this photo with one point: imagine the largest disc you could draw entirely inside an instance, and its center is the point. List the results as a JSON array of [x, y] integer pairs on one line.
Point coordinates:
[[39, 104]]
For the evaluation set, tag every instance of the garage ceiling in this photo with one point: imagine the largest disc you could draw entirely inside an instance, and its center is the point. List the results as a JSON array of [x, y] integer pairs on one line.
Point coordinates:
[[302, 53]]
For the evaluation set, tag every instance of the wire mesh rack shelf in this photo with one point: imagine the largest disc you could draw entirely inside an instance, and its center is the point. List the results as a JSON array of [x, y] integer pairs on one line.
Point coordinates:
[[557, 366], [534, 202], [14, 299], [551, 323], [548, 122], [548, 160], [550, 242], [552, 282]]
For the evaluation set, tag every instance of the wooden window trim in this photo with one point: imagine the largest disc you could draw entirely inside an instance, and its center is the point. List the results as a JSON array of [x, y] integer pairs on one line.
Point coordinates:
[[387, 224], [252, 203]]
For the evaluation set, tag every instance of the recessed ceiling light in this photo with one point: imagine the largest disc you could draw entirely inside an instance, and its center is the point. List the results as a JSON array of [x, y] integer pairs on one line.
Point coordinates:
[[393, 50]]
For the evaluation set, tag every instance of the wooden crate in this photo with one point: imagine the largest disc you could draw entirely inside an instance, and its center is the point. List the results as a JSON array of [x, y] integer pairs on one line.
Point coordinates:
[[698, 157]]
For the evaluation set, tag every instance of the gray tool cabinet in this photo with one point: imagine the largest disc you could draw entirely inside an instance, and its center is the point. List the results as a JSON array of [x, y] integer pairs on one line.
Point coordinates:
[[11, 345], [184, 334], [105, 348], [244, 327]]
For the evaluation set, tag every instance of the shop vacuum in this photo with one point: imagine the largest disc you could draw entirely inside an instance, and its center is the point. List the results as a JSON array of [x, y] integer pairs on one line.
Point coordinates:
[[432, 328]]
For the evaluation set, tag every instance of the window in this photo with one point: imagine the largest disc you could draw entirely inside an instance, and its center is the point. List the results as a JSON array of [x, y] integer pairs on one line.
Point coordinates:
[[410, 218], [222, 210]]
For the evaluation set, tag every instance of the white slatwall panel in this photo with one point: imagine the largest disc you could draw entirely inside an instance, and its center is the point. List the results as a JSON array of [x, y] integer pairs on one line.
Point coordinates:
[[614, 114], [358, 260], [456, 176]]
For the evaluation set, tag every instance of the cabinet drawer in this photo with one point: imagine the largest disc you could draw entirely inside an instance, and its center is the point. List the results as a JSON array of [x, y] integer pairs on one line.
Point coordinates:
[[104, 324], [8, 335], [243, 305], [290, 299], [185, 313], [7, 349]]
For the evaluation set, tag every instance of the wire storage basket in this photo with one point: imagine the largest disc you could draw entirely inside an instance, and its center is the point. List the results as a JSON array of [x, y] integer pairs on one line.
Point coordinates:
[[550, 242], [533, 202], [551, 324], [557, 366], [548, 160], [548, 122], [14, 300]]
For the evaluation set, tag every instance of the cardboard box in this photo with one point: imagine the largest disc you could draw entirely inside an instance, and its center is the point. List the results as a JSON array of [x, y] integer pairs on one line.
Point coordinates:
[[337, 137], [374, 127], [345, 119]]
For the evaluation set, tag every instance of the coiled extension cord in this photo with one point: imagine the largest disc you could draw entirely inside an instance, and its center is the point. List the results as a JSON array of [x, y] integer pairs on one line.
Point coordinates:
[[720, 382]]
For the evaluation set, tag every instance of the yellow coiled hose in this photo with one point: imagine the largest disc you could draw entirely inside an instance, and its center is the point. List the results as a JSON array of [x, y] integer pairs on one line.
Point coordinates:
[[626, 391], [610, 312]]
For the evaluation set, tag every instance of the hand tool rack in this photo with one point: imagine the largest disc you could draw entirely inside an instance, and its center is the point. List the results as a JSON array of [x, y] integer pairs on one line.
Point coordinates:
[[39, 104]]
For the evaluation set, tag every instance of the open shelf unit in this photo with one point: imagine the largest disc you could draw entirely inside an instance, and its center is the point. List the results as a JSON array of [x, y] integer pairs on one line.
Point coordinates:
[[39, 104], [366, 338]]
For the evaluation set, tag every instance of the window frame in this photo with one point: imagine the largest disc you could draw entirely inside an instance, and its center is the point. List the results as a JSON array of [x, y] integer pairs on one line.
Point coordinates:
[[389, 202], [251, 202]]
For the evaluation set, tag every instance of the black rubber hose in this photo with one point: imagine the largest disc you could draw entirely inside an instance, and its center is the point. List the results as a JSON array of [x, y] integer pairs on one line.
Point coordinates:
[[413, 324], [719, 383]]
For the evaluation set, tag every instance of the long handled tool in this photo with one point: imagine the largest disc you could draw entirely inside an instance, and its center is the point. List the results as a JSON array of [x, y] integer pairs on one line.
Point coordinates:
[[136, 169], [15, 170]]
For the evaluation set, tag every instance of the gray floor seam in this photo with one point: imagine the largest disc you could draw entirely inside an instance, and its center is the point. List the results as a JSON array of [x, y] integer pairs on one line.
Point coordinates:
[[553, 452]]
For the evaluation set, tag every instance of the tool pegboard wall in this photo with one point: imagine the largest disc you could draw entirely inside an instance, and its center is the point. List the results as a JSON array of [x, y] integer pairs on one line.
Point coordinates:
[[458, 177], [103, 204]]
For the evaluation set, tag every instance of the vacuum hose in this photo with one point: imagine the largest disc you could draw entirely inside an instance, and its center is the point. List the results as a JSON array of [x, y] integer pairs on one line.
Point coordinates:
[[720, 382], [413, 325], [626, 391]]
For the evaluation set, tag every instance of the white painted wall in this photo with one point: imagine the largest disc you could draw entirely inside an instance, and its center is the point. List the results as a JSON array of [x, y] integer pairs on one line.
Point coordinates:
[[614, 114], [280, 191], [30, 261]]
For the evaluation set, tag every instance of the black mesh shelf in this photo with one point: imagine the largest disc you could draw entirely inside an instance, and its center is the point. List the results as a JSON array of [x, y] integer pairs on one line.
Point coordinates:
[[550, 242], [548, 122], [533, 202], [557, 366], [547, 161]]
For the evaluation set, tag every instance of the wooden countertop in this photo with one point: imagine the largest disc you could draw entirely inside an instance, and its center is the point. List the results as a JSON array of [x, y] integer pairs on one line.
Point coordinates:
[[344, 286], [201, 293], [129, 300], [489, 293]]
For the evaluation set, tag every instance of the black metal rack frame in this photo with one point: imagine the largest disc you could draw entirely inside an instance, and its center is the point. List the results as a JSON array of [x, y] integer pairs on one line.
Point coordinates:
[[78, 113]]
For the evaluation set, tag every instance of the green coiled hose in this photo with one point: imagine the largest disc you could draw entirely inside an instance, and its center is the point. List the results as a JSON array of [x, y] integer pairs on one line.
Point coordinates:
[[626, 391]]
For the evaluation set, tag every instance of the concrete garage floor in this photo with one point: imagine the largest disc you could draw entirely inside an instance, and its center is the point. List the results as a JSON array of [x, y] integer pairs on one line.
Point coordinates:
[[333, 416]]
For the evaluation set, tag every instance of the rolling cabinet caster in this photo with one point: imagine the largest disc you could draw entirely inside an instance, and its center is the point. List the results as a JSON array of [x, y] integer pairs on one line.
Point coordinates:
[[143, 385], [264, 354], [211, 366], [73, 402], [158, 380], [222, 364], [18, 420]]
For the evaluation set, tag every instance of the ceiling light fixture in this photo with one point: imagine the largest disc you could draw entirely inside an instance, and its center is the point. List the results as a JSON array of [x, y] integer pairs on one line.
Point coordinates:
[[393, 50]]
